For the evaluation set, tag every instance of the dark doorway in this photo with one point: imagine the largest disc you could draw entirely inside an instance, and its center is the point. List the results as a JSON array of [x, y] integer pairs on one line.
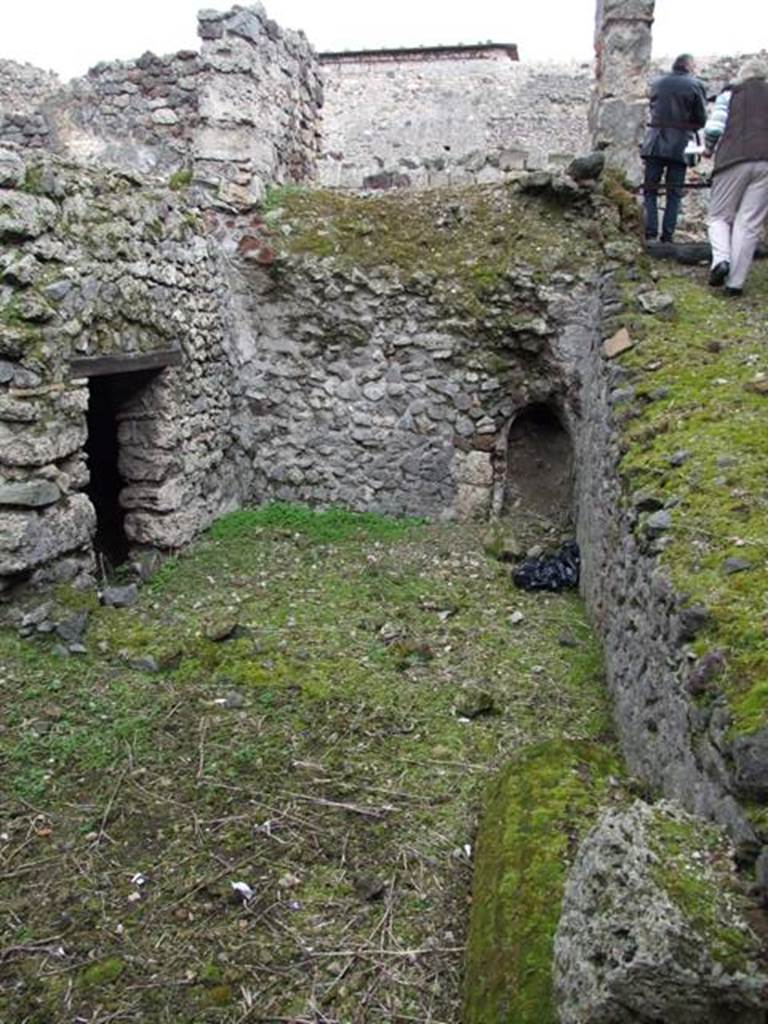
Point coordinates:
[[108, 396], [539, 475]]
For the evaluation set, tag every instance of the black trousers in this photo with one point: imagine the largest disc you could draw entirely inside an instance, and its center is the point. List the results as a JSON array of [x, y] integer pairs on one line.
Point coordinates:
[[673, 174]]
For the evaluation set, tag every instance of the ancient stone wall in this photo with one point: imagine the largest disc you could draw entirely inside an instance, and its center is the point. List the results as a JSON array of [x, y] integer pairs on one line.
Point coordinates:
[[359, 391], [459, 119], [24, 91], [92, 265], [644, 624], [238, 115]]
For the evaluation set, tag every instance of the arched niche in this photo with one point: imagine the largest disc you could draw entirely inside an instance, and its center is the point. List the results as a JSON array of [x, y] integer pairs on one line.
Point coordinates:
[[539, 464]]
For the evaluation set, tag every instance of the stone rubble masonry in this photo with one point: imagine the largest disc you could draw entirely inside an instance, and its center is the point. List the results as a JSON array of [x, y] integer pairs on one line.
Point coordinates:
[[238, 115], [464, 119], [619, 106], [94, 263], [361, 391], [665, 739]]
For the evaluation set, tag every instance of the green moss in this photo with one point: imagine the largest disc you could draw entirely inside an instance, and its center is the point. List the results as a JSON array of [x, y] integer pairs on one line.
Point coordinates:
[[618, 191], [180, 179], [693, 377], [218, 995], [33, 179], [103, 973], [533, 819], [456, 246], [323, 526], [694, 867]]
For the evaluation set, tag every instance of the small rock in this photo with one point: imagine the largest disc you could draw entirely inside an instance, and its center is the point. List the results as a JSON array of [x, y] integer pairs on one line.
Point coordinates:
[[29, 494], [617, 344], [71, 630], [658, 522], [37, 615], [515, 618], [234, 700], [733, 565], [120, 597], [758, 384], [474, 703], [535, 552], [77, 649], [726, 461], [679, 458], [221, 629], [369, 888], [586, 168], [12, 169], [707, 668], [750, 759], [646, 501], [692, 621], [656, 303], [146, 663], [567, 639]]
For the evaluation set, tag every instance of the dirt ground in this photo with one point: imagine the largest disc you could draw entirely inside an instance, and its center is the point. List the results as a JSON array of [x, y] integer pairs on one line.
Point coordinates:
[[253, 798]]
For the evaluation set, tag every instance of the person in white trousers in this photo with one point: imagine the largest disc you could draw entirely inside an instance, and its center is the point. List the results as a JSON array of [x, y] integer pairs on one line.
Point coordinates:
[[737, 132]]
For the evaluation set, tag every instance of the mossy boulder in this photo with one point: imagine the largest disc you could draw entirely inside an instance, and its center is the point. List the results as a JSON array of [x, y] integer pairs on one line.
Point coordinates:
[[654, 928], [536, 812]]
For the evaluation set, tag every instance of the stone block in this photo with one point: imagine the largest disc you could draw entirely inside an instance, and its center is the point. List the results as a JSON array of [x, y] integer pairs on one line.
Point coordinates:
[[631, 945], [29, 493], [25, 216], [12, 168], [30, 539]]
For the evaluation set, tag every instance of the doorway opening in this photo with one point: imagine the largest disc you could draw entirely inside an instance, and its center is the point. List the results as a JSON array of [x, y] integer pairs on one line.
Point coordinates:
[[539, 465], [109, 398]]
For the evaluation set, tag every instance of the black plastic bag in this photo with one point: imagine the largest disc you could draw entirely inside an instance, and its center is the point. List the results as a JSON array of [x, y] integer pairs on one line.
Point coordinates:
[[550, 572]]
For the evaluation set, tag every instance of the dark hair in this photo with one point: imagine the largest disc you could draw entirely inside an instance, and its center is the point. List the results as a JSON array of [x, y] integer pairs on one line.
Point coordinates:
[[684, 62]]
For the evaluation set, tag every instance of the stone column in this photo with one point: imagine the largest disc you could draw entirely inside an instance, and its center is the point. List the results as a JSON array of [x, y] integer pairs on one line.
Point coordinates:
[[619, 105]]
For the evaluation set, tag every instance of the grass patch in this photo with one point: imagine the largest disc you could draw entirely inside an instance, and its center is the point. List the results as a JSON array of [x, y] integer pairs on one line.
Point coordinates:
[[321, 526], [284, 741], [694, 377]]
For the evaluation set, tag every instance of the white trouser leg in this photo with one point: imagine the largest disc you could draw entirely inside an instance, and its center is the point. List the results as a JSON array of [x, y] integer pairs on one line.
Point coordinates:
[[727, 189], [748, 223]]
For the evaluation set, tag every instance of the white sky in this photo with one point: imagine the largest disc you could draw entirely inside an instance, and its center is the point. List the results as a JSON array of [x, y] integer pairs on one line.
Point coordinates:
[[69, 36]]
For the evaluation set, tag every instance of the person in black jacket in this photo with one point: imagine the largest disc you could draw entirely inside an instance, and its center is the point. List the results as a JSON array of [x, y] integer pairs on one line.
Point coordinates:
[[678, 111]]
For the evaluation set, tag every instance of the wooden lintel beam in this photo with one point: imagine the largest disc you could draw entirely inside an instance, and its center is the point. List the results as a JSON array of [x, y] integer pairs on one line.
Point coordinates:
[[101, 366]]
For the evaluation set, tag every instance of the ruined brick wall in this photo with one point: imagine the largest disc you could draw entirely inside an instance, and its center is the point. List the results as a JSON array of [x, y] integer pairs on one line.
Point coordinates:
[[618, 112]]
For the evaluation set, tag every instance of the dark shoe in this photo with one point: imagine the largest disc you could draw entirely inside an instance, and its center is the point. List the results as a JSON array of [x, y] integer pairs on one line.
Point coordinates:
[[734, 292], [718, 273], [667, 239]]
